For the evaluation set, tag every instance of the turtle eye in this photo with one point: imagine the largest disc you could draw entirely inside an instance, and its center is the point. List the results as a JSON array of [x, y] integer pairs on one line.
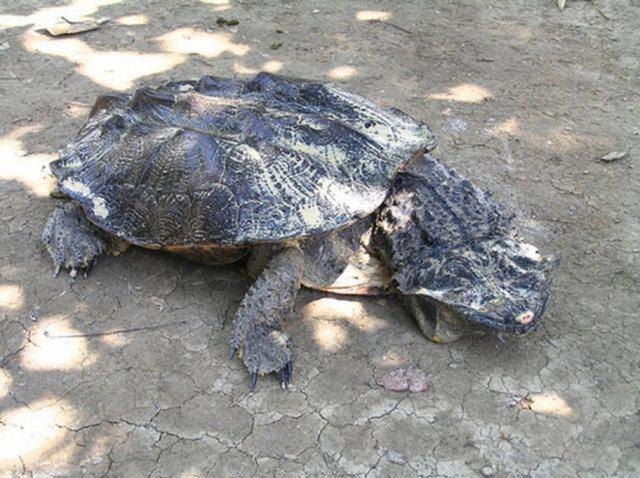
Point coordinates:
[[368, 124]]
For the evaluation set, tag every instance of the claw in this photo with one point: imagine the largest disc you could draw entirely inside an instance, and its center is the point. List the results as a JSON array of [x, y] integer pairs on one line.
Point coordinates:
[[254, 380], [72, 275], [57, 270], [232, 352], [283, 378], [88, 268]]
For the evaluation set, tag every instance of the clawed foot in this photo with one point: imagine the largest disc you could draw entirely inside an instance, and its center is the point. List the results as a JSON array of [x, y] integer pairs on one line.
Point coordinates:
[[72, 241], [74, 269], [264, 350]]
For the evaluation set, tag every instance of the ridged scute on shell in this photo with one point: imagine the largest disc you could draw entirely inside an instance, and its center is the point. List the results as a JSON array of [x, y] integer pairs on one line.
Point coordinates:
[[446, 239], [230, 162]]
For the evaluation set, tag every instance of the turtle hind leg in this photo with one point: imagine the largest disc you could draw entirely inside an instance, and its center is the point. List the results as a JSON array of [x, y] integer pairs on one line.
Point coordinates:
[[257, 339], [436, 321], [72, 241]]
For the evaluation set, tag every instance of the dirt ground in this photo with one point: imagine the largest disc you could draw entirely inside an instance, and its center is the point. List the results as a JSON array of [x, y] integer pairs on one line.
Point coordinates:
[[524, 100]]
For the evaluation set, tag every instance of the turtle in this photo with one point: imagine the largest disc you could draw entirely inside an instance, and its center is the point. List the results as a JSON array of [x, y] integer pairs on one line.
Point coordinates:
[[307, 184]]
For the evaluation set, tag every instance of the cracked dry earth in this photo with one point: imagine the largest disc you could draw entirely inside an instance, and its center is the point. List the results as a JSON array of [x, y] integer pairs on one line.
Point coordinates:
[[524, 99]]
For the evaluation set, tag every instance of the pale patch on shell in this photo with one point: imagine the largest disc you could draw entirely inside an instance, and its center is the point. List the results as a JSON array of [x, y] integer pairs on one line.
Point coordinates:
[[99, 205], [74, 186], [358, 203], [388, 126], [185, 88], [249, 151], [311, 216]]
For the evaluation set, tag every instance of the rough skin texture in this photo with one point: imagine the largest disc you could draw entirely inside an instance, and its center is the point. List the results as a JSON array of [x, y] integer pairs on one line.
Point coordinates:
[[221, 161], [72, 241], [448, 241], [257, 336]]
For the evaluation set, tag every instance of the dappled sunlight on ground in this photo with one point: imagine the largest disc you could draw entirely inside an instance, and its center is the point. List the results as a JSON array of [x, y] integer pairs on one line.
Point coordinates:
[[77, 110], [5, 383], [208, 45], [241, 69], [219, 5], [29, 432], [368, 15], [112, 69], [17, 165], [549, 404], [192, 472], [509, 126], [114, 339], [272, 66], [48, 15], [348, 312], [11, 297], [132, 20], [342, 72], [564, 139], [99, 447], [49, 347], [118, 70], [330, 336], [465, 93]]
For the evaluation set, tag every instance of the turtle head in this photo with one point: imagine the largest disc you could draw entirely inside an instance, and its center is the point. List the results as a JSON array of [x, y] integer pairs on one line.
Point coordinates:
[[498, 283], [453, 251]]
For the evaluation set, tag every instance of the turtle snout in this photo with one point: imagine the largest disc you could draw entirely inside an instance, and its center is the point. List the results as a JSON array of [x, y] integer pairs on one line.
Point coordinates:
[[532, 314], [525, 317]]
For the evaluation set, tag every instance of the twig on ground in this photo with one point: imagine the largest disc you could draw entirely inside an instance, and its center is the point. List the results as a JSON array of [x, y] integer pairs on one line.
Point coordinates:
[[113, 332], [397, 27]]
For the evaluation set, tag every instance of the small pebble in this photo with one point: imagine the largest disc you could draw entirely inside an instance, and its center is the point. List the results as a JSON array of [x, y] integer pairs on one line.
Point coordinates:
[[487, 471], [456, 126], [395, 457], [613, 156]]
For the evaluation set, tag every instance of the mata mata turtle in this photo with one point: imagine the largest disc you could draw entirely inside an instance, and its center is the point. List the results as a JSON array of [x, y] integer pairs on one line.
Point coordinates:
[[317, 186]]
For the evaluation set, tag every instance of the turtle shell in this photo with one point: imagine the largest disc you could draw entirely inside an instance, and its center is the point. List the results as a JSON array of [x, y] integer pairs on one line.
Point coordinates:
[[230, 162]]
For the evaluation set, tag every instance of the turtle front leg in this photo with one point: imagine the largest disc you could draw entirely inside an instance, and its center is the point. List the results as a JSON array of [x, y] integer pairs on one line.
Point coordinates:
[[72, 241], [257, 338]]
